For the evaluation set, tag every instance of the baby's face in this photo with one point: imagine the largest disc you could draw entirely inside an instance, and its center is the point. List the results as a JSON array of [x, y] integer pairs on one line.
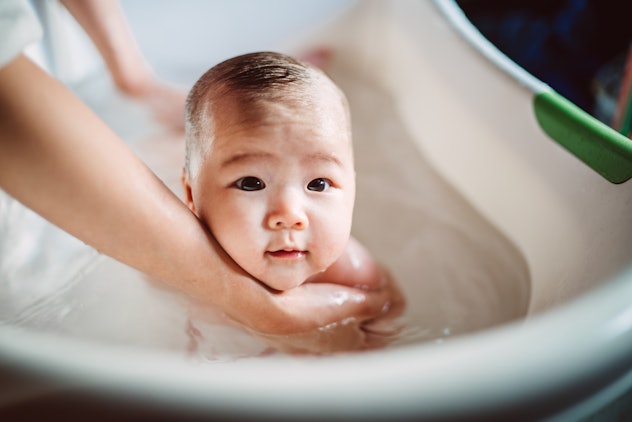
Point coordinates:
[[278, 195]]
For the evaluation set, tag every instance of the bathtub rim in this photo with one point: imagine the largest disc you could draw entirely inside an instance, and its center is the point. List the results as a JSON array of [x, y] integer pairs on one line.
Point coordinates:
[[586, 352]]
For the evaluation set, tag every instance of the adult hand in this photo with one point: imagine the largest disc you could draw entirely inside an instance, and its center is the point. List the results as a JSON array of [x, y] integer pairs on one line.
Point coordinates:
[[314, 318], [337, 318], [342, 310]]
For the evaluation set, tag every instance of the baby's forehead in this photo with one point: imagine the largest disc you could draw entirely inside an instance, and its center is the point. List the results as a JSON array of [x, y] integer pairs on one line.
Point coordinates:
[[317, 91], [294, 130], [315, 108], [278, 124]]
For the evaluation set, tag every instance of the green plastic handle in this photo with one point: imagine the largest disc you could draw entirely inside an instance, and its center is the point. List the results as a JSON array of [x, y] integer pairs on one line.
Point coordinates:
[[602, 148]]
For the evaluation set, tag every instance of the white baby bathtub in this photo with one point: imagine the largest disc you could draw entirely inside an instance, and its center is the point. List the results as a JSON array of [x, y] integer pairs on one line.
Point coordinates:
[[477, 120]]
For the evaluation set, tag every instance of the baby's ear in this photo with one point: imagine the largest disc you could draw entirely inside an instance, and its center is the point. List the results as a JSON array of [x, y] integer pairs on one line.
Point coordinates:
[[188, 192]]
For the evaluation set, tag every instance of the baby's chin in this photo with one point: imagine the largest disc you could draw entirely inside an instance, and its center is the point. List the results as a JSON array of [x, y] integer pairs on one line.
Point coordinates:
[[282, 283], [287, 271], [282, 279]]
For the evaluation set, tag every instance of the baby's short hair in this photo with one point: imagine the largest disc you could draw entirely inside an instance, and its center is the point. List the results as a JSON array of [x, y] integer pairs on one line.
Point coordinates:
[[248, 79]]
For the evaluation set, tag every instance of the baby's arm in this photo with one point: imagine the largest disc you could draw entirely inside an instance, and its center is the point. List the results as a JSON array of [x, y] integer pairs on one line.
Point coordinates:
[[355, 267]]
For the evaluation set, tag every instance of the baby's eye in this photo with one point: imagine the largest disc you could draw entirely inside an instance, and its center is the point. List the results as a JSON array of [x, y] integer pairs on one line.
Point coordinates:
[[319, 185], [250, 183]]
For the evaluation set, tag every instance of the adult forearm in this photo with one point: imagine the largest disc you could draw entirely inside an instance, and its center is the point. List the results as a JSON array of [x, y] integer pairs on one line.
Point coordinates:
[[59, 159]]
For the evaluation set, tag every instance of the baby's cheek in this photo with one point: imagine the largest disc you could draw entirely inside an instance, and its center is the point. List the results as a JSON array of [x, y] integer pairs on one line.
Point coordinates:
[[241, 238], [232, 232], [332, 245]]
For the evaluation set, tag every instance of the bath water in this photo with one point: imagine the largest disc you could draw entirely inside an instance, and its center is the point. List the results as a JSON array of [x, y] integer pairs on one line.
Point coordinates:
[[458, 273]]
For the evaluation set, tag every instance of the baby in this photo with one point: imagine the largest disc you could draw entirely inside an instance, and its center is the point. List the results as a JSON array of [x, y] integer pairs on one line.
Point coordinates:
[[269, 168]]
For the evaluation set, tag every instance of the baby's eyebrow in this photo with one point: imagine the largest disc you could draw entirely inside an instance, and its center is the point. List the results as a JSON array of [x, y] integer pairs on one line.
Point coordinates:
[[244, 157], [322, 156]]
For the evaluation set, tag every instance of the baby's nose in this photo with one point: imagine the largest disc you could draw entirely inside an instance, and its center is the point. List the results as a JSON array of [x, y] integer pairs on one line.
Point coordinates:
[[287, 213]]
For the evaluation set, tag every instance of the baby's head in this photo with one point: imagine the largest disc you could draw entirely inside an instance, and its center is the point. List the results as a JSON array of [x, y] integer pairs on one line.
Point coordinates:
[[269, 165]]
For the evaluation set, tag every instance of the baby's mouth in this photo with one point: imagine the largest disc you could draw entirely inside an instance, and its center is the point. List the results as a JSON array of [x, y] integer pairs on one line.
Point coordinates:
[[287, 254]]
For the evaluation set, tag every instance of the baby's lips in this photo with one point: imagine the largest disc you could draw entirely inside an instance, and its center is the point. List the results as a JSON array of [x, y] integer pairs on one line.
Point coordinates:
[[288, 254]]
